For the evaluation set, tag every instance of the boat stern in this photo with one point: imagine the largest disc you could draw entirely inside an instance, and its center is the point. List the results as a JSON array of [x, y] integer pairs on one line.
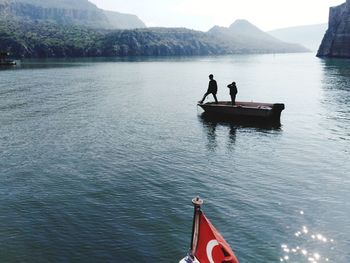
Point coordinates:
[[277, 108]]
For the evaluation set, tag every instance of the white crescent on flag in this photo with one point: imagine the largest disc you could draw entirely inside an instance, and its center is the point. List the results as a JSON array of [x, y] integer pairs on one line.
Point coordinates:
[[210, 246]]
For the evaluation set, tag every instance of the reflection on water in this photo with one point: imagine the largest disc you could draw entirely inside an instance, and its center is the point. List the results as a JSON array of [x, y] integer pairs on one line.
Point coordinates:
[[336, 82], [336, 99], [232, 136], [210, 124], [8, 67], [341, 66], [259, 126], [210, 128]]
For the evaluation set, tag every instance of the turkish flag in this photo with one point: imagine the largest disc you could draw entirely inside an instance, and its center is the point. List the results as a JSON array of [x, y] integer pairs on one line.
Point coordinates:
[[211, 246]]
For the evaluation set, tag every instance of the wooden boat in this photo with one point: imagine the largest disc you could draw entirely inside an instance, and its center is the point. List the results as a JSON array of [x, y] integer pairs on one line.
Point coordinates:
[[244, 110]]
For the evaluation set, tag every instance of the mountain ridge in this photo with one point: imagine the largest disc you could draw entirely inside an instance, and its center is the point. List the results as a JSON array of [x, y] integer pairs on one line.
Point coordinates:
[[242, 33], [309, 36], [67, 12], [47, 28], [46, 39], [64, 4]]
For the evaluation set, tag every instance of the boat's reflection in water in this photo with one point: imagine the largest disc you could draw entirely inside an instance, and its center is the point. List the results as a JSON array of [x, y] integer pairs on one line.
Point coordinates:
[[212, 122]]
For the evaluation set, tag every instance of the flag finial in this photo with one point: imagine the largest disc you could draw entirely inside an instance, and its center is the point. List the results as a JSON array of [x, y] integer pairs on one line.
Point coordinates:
[[197, 201]]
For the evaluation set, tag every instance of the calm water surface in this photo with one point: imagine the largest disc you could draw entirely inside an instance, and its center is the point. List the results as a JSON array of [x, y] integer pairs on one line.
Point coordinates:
[[100, 159]]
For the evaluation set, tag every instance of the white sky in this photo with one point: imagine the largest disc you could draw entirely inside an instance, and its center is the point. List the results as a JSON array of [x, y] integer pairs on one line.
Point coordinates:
[[204, 14]]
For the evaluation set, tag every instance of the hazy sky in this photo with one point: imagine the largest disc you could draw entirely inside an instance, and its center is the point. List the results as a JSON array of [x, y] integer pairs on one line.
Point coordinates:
[[203, 14]]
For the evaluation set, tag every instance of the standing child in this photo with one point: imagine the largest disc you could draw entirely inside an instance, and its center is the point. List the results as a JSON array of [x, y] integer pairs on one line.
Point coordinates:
[[233, 92]]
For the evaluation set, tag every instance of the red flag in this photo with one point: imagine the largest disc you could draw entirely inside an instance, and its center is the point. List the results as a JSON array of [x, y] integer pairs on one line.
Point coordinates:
[[211, 246]]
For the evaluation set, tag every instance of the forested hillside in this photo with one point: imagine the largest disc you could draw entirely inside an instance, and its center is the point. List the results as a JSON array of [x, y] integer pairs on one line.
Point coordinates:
[[67, 12]]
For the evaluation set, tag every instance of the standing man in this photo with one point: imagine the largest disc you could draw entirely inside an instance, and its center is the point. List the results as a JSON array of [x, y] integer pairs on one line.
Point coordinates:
[[233, 92], [212, 89]]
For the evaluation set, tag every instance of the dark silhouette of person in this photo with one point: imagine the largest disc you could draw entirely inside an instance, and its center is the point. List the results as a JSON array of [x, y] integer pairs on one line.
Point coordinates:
[[212, 89], [233, 92]]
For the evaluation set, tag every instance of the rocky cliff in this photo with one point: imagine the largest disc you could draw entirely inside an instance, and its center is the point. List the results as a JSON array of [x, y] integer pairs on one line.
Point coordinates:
[[336, 42], [123, 21], [66, 12]]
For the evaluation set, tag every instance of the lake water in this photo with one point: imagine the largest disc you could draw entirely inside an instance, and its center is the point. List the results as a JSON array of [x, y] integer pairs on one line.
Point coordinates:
[[100, 159]]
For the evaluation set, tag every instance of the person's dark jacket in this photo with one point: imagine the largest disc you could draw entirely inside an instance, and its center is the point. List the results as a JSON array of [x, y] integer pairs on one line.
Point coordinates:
[[212, 87], [233, 89]]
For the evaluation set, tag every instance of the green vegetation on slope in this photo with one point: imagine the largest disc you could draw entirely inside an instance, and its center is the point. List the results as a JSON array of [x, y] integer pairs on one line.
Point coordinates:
[[158, 42], [25, 38], [45, 39]]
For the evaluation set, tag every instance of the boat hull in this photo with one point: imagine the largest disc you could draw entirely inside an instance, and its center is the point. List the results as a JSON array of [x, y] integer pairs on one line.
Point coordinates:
[[264, 112], [8, 63]]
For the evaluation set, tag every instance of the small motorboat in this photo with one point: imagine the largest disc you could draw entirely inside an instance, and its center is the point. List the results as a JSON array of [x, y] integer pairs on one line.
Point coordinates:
[[266, 112], [4, 61], [8, 63]]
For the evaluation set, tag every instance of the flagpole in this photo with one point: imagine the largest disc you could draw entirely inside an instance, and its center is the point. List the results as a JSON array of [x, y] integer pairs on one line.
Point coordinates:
[[197, 202]]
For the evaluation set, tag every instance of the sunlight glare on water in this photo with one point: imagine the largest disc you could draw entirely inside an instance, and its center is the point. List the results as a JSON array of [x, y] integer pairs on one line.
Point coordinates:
[[308, 246]]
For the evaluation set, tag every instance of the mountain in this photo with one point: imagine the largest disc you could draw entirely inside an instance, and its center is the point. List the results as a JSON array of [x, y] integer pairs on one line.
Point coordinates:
[[159, 42], [67, 12], [310, 36], [244, 37], [58, 4], [44, 38], [336, 41]]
